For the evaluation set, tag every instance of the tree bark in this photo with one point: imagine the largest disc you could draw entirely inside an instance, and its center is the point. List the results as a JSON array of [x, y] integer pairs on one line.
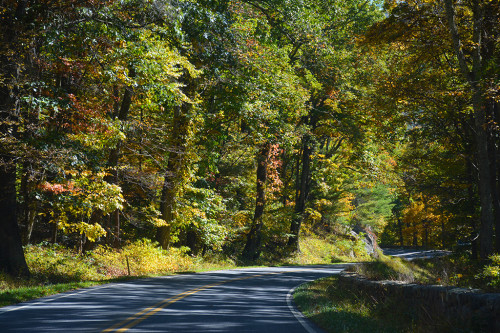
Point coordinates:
[[171, 180], [121, 113], [474, 78], [492, 152], [471, 208], [400, 232], [496, 117], [12, 259], [176, 162], [254, 237], [302, 194]]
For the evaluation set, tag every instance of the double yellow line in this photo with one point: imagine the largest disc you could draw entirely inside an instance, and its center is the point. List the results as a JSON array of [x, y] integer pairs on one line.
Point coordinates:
[[135, 319]]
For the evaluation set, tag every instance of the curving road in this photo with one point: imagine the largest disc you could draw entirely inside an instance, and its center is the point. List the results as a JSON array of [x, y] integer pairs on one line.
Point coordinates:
[[410, 254], [239, 300]]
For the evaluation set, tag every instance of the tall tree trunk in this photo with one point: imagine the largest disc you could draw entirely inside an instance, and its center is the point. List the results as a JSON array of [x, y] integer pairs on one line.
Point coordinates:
[[474, 78], [121, 113], [176, 162], [496, 172], [173, 176], [471, 207], [492, 152], [400, 232], [302, 193], [254, 237], [30, 222], [12, 259], [425, 240], [485, 180], [167, 201]]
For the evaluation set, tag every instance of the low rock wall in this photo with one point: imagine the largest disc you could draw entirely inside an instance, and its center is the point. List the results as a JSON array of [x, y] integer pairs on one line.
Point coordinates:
[[462, 310]]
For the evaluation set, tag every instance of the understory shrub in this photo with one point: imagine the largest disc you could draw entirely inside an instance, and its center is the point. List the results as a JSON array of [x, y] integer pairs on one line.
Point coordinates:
[[142, 257]]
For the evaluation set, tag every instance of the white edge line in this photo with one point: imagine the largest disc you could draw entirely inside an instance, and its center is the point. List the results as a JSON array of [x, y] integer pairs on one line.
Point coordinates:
[[297, 314], [54, 297], [50, 298]]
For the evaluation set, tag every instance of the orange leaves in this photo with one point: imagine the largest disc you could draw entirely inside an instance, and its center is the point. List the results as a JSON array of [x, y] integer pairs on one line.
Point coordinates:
[[57, 188], [273, 167]]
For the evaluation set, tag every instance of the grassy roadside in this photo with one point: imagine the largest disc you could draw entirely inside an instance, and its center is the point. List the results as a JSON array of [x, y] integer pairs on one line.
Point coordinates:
[[339, 308], [57, 269], [456, 269]]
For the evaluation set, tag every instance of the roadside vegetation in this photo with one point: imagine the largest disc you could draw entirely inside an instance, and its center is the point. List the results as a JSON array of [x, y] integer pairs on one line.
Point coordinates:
[[340, 308], [55, 268], [147, 137], [456, 269]]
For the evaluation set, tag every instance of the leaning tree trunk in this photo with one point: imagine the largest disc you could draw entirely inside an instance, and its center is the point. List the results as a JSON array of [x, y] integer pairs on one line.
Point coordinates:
[[302, 194], [252, 247]]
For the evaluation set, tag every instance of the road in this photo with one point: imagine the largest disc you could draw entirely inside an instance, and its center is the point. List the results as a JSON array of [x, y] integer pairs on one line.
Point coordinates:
[[238, 300], [410, 254]]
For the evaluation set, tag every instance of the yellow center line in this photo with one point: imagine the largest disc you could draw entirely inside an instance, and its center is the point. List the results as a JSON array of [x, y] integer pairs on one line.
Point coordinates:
[[140, 316], [146, 313]]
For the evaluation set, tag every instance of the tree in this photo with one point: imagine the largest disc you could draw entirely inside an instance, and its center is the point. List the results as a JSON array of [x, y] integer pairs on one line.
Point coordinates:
[[474, 77], [446, 81], [12, 22]]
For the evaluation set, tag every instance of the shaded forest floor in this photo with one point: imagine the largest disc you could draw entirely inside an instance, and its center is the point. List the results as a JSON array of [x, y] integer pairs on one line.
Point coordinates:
[[56, 268]]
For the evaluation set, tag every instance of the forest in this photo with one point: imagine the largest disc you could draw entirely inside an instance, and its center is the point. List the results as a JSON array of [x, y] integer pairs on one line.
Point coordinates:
[[237, 127]]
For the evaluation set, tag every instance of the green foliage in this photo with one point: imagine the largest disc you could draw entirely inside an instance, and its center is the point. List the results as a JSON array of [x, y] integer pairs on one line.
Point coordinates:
[[491, 272], [54, 263], [204, 211], [373, 206]]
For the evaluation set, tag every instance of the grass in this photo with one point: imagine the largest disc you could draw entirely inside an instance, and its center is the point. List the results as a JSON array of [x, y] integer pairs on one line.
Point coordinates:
[[55, 268], [32, 290], [453, 270], [338, 309], [315, 250], [392, 268]]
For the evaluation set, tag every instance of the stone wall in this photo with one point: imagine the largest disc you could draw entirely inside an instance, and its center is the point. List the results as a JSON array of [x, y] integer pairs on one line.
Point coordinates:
[[455, 309]]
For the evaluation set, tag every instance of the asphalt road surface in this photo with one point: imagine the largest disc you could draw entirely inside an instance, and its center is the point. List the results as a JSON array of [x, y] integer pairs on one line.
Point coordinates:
[[239, 300], [410, 254]]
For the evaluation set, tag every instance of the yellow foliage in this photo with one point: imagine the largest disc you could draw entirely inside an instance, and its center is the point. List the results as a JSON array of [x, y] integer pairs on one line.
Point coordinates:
[[423, 220], [144, 257]]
